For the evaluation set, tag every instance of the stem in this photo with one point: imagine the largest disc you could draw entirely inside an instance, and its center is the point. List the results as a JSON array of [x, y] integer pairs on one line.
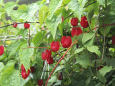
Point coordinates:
[[90, 4], [35, 47], [17, 23], [60, 61], [103, 48], [29, 38]]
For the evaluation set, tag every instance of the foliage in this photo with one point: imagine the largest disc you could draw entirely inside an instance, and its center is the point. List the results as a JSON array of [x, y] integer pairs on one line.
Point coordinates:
[[81, 63]]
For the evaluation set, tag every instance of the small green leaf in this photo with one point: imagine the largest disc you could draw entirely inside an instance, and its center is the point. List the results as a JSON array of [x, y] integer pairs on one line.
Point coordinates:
[[84, 60], [1, 66], [25, 55], [101, 2], [54, 5], [43, 12], [105, 70], [53, 24], [94, 49], [79, 50], [87, 36]]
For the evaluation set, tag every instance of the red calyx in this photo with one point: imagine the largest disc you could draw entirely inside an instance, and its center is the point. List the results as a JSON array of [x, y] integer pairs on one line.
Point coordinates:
[[24, 73], [46, 54], [1, 50], [50, 60], [84, 22], [23, 68], [60, 76], [26, 25], [113, 40], [76, 31], [62, 19], [15, 24], [32, 69], [40, 82], [74, 21], [66, 41], [55, 46]]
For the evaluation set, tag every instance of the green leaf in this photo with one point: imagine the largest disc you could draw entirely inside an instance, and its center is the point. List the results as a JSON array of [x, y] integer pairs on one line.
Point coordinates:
[[9, 76], [54, 5], [25, 55], [38, 38], [84, 60], [65, 2], [13, 48], [82, 2], [43, 14], [94, 49], [101, 2], [105, 70], [79, 50], [75, 7], [1, 66], [53, 24], [87, 36], [32, 10]]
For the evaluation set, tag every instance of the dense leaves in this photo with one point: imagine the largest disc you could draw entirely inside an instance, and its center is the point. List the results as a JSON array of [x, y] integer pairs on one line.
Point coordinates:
[[37, 35]]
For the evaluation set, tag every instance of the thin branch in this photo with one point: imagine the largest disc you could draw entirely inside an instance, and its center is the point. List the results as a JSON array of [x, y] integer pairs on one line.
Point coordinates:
[[60, 61], [35, 47], [103, 47], [17, 23], [29, 37], [90, 4]]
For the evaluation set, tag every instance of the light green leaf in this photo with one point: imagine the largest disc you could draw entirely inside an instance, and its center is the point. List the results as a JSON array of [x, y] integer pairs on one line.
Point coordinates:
[[25, 55], [79, 50], [9, 76], [1, 66], [54, 5], [87, 36], [101, 2], [32, 10], [66, 2], [105, 70], [82, 2], [84, 60], [75, 7], [43, 14], [94, 49], [53, 24], [38, 38]]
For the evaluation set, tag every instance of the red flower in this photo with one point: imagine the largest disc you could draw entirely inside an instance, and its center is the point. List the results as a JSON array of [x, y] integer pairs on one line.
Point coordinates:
[[113, 40], [74, 21], [32, 69], [76, 31], [55, 46], [50, 60], [40, 82], [46, 54], [84, 22], [26, 25], [15, 24], [1, 50], [66, 41]]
